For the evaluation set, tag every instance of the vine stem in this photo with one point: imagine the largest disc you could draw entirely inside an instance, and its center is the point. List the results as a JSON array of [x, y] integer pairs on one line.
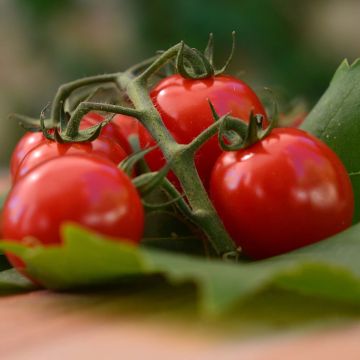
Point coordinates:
[[210, 131], [84, 107], [65, 90], [181, 156]]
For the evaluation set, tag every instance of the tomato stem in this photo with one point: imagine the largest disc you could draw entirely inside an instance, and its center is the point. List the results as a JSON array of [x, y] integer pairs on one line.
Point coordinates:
[[83, 108], [202, 138], [66, 89], [202, 210]]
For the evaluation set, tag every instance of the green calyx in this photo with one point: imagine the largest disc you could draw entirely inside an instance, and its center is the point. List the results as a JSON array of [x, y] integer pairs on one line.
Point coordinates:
[[193, 64], [235, 134]]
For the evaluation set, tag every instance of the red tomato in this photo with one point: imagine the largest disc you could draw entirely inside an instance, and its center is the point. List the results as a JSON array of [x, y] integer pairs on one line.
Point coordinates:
[[87, 190], [284, 192], [102, 146], [29, 141], [185, 111], [32, 139]]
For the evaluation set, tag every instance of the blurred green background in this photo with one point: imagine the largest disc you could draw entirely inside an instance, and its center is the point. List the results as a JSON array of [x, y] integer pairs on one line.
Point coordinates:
[[291, 46]]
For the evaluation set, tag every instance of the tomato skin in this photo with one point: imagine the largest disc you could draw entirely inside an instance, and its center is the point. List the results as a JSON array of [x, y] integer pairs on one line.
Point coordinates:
[[28, 142], [185, 111], [284, 192], [102, 146], [87, 190]]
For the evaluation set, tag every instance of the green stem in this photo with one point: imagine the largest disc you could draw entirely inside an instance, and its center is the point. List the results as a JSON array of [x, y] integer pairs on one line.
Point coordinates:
[[161, 61], [65, 90], [140, 66], [83, 108], [200, 209], [181, 204], [193, 146], [203, 212]]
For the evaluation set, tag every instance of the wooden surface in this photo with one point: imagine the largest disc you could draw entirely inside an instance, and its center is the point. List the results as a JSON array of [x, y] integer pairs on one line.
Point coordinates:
[[42, 325]]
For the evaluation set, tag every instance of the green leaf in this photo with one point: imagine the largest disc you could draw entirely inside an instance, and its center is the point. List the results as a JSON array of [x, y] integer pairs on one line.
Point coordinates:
[[336, 120], [12, 282], [328, 270]]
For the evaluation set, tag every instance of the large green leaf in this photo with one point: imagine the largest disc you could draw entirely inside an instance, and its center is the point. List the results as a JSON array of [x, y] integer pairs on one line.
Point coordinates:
[[336, 120], [329, 270]]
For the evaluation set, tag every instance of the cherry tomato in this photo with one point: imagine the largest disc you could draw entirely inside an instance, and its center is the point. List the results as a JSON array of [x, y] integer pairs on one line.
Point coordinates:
[[84, 189], [185, 111], [284, 192], [32, 139], [102, 146], [29, 141]]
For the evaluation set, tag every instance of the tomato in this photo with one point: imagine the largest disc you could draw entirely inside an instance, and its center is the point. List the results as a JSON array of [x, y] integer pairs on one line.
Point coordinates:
[[29, 141], [185, 111], [84, 189], [127, 126], [32, 139], [102, 146], [284, 192]]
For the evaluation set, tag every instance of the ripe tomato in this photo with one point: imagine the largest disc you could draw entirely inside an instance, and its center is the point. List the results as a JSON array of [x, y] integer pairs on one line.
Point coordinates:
[[284, 192], [32, 139], [102, 146], [185, 111], [29, 141], [83, 189]]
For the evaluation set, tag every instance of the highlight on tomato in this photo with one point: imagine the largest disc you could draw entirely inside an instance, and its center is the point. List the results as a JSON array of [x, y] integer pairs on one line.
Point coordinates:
[[284, 192]]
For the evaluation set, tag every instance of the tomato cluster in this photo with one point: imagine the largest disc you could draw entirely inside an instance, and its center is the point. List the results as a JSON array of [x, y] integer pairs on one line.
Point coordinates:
[[283, 192]]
